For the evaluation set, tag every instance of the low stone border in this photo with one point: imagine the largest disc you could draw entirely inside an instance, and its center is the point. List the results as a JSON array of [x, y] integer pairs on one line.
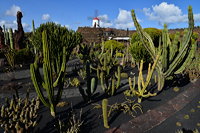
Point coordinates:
[[153, 118]]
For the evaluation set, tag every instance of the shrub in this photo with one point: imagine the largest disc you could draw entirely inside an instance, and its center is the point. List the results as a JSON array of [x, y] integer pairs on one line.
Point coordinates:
[[23, 56], [57, 37], [139, 53], [138, 50], [154, 33], [116, 45]]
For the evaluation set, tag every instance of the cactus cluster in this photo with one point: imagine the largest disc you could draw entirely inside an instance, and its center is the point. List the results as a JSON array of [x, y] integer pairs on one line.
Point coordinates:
[[8, 36], [141, 91], [108, 70], [175, 55], [48, 83], [19, 115], [91, 84]]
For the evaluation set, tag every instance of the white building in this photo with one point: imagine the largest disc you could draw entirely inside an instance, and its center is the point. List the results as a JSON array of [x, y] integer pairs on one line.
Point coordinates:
[[96, 22]]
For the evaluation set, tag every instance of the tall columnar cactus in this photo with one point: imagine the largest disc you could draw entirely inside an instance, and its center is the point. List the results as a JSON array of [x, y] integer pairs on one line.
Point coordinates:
[[141, 91], [91, 84], [105, 112], [33, 26], [33, 30], [174, 57], [49, 84], [5, 36], [11, 38]]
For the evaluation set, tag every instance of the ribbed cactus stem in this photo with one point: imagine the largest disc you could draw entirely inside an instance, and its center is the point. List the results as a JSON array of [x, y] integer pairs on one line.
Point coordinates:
[[105, 112], [5, 36], [48, 83], [118, 77], [33, 26], [93, 85], [33, 30], [11, 38]]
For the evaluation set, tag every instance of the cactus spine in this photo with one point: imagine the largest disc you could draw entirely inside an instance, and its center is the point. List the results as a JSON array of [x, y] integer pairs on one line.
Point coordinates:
[[105, 112], [48, 84], [172, 60]]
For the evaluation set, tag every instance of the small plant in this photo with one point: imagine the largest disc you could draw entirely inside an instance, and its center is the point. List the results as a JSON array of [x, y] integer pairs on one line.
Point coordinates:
[[75, 82], [62, 104], [198, 124], [73, 124], [176, 89], [124, 75], [10, 56], [178, 124], [186, 117], [82, 73], [192, 110]]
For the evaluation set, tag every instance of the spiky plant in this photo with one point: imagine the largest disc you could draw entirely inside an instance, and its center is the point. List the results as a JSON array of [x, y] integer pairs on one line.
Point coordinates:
[[48, 82], [174, 57]]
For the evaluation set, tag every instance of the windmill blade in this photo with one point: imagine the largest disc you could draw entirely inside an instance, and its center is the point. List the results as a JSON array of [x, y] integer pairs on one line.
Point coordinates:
[[90, 18], [96, 13]]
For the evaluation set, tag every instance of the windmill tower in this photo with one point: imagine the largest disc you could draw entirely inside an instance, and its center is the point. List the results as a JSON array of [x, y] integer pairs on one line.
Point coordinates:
[[95, 20]]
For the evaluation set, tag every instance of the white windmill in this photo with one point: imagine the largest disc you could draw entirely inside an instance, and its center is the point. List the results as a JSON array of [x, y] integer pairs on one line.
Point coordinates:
[[95, 20]]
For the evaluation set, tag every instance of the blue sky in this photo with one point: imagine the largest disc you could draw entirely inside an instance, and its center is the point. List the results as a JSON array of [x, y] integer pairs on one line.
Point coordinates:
[[113, 13]]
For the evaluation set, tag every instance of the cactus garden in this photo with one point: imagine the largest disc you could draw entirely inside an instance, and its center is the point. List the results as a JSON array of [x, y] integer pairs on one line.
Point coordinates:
[[57, 80]]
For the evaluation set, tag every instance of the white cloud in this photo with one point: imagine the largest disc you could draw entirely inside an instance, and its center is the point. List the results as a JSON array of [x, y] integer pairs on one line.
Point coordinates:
[[67, 26], [13, 11], [9, 24], [197, 17], [27, 27], [13, 25], [104, 21], [167, 13], [124, 20], [46, 17]]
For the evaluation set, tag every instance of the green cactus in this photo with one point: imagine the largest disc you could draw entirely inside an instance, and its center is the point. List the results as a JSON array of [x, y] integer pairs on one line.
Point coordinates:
[[105, 112], [33, 26], [5, 36], [48, 84], [11, 38], [174, 58], [33, 30], [91, 84], [108, 70], [141, 91], [17, 116]]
